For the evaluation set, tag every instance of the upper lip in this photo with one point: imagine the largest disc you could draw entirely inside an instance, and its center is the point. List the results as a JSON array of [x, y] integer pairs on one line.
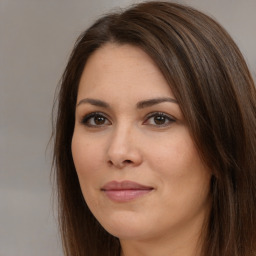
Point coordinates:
[[124, 185]]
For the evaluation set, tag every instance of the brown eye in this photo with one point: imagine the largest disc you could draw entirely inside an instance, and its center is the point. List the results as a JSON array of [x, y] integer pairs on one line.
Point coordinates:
[[99, 120], [159, 119], [95, 120]]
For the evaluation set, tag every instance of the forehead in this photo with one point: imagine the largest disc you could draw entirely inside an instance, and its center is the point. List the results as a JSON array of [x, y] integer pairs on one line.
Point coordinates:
[[119, 68]]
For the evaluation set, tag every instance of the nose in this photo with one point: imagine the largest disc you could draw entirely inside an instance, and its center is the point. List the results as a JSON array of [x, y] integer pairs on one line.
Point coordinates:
[[123, 149]]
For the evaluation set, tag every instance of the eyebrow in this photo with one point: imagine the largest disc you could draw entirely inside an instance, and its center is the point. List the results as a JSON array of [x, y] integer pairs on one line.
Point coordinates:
[[139, 105], [94, 102], [151, 102]]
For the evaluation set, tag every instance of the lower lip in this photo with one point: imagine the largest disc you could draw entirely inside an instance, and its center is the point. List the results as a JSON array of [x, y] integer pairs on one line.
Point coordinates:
[[126, 195]]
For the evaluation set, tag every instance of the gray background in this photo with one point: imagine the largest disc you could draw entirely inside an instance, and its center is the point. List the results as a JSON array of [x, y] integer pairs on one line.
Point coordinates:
[[36, 39]]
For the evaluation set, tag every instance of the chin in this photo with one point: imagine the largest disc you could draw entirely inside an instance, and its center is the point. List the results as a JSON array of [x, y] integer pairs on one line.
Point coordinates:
[[125, 226], [127, 233]]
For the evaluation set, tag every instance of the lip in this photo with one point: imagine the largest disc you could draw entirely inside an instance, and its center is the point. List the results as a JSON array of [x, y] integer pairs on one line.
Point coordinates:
[[125, 191]]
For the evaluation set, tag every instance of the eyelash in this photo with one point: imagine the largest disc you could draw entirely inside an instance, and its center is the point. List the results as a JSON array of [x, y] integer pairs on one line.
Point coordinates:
[[85, 120], [167, 119]]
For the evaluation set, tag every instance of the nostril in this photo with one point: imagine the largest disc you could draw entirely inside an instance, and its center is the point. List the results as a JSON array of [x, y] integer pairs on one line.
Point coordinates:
[[110, 162], [121, 164]]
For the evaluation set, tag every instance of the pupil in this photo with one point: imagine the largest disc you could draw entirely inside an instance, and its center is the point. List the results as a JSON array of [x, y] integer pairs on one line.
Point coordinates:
[[159, 119], [99, 120]]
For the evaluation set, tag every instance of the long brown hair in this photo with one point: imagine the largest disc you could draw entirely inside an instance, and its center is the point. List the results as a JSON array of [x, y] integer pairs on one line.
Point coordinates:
[[216, 93]]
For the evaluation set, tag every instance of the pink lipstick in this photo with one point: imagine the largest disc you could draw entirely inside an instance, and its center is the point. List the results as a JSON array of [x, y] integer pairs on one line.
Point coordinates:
[[125, 191]]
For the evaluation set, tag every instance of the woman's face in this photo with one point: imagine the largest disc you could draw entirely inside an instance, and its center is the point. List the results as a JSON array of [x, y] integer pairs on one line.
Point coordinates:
[[138, 167]]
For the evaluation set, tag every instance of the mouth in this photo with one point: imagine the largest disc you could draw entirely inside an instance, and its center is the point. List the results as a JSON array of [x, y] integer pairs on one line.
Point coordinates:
[[125, 191]]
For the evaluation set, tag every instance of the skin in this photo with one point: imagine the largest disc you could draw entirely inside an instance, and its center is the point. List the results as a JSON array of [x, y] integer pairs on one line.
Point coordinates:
[[125, 143]]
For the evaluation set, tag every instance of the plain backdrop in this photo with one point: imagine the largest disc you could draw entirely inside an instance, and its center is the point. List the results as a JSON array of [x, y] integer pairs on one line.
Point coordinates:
[[36, 38]]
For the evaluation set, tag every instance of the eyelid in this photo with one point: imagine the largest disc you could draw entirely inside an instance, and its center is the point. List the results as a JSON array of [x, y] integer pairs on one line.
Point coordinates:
[[86, 117], [159, 113]]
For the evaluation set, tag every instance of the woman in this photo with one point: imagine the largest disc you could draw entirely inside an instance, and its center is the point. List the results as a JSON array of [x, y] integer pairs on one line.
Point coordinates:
[[155, 138]]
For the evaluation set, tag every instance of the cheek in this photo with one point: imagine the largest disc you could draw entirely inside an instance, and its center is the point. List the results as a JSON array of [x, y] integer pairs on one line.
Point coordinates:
[[87, 157], [171, 155], [185, 182], [180, 168], [178, 154]]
